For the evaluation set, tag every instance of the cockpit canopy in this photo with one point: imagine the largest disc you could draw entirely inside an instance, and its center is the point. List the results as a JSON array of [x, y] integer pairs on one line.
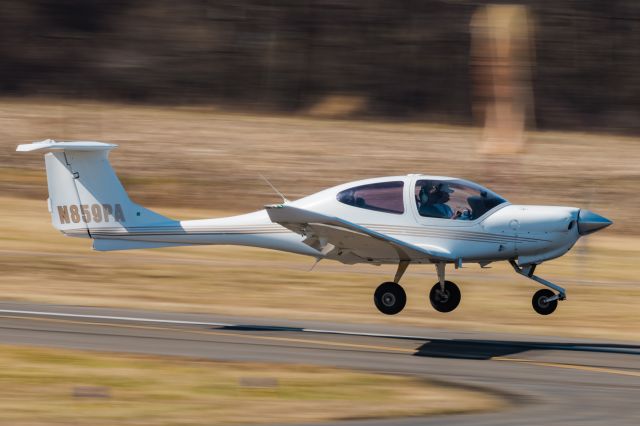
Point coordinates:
[[382, 197], [437, 198], [454, 199]]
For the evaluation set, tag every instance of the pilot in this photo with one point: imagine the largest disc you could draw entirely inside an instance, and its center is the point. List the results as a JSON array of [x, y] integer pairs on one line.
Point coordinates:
[[433, 202]]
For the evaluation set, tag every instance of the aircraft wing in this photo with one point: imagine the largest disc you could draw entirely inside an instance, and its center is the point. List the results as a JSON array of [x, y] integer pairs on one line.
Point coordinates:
[[326, 233]]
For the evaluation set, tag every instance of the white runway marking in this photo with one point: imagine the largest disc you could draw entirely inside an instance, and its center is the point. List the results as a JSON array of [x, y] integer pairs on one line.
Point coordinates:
[[212, 324], [109, 317]]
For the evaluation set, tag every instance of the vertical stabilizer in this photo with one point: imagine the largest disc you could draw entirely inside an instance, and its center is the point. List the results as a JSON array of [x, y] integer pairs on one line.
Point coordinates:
[[84, 192]]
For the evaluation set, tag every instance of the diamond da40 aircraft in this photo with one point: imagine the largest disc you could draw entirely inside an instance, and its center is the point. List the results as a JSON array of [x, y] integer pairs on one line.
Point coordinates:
[[401, 220]]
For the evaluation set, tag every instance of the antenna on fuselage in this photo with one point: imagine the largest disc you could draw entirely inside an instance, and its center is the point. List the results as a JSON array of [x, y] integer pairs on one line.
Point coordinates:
[[284, 199]]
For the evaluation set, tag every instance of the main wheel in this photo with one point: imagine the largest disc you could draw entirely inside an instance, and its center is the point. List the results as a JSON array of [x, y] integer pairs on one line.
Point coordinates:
[[390, 298], [447, 300], [540, 303]]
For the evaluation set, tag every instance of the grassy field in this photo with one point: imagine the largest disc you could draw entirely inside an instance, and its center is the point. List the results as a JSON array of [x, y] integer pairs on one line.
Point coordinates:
[[62, 387], [39, 264]]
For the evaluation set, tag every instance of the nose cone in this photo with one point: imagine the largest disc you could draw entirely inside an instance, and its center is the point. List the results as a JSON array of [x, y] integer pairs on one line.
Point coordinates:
[[589, 222]]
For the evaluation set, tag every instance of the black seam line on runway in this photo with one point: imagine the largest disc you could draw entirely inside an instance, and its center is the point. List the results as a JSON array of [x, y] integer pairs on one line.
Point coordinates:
[[182, 339], [316, 342], [222, 333], [37, 314]]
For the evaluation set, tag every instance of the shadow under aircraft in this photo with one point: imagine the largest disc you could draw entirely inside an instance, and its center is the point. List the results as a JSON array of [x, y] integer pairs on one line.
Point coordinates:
[[479, 349]]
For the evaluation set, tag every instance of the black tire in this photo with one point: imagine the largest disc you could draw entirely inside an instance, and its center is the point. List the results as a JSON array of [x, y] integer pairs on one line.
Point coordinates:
[[539, 304], [447, 301], [390, 298]]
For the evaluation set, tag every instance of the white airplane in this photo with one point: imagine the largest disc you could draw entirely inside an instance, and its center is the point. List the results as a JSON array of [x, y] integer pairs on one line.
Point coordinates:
[[399, 220]]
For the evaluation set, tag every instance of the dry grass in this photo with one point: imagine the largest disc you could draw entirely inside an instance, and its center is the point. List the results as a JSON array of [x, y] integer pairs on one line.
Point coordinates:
[[61, 387], [39, 264]]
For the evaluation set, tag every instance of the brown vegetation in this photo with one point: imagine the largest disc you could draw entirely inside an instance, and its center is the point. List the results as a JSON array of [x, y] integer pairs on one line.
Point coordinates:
[[61, 387]]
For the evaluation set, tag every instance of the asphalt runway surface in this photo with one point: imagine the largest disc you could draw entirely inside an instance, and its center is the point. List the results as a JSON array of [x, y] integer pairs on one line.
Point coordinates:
[[547, 380]]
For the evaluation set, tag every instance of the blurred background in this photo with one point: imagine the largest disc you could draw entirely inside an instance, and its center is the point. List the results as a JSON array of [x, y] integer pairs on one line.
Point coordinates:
[[400, 60]]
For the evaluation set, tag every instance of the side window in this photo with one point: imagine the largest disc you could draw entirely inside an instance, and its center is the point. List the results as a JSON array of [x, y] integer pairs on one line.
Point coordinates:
[[382, 197], [458, 200]]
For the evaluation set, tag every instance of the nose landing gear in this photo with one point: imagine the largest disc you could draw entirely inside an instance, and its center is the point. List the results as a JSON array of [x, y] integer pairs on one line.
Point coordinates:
[[544, 301]]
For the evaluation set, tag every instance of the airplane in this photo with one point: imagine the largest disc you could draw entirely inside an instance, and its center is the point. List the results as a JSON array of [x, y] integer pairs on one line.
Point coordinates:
[[399, 220]]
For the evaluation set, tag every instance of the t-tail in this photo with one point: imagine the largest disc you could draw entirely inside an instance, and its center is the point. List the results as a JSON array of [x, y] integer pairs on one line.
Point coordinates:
[[86, 198]]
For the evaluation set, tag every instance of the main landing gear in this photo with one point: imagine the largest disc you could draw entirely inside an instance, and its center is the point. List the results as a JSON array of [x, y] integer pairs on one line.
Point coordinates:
[[390, 298], [544, 301], [444, 295]]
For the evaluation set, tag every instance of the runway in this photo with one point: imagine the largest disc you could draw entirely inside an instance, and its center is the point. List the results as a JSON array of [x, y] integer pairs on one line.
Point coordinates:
[[547, 380]]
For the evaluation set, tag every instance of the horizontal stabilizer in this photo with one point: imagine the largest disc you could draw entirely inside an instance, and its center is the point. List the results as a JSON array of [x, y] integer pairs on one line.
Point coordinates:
[[51, 145]]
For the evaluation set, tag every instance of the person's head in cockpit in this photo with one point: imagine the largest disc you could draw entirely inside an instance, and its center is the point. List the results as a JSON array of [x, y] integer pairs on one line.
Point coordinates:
[[439, 194], [433, 201]]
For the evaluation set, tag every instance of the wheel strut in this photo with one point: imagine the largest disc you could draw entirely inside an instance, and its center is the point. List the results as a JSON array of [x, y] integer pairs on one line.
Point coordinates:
[[402, 267], [528, 270], [440, 269]]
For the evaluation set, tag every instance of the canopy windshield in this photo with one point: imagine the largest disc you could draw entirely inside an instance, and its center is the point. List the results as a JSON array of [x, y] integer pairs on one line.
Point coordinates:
[[454, 199]]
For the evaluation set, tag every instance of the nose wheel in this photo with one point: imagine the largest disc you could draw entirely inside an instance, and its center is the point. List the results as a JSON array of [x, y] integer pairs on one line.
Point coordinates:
[[390, 298], [445, 299], [544, 302]]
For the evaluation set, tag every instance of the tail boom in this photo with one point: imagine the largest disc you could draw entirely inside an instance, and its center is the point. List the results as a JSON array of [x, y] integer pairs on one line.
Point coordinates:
[[86, 199]]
